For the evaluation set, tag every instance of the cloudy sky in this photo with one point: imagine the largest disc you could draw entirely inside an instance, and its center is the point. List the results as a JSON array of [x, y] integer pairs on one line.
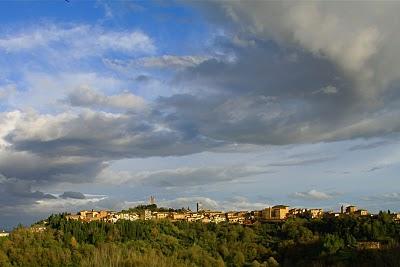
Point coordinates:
[[234, 104]]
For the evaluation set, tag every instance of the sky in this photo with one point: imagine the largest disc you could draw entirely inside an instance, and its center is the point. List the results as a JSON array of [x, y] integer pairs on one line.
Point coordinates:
[[237, 105]]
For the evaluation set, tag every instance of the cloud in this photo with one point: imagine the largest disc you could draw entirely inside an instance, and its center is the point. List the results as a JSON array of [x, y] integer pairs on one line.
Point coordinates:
[[301, 162], [329, 90], [32, 167], [313, 195], [387, 197], [287, 83], [76, 40], [15, 193], [377, 168], [74, 195], [87, 97], [161, 62], [102, 135], [370, 145], [183, 176], [358, 44]]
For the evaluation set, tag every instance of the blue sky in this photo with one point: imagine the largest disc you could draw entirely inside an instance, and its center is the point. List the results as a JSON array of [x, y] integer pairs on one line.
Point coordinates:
[[237, 105]]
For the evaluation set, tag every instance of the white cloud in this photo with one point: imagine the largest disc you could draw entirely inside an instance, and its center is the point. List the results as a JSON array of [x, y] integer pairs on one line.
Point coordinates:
[[170, 61], [43, 91], [328, 90], [65, 204], [87, 97], [313, 195], [181, 177], [77, 40], [8, 121]]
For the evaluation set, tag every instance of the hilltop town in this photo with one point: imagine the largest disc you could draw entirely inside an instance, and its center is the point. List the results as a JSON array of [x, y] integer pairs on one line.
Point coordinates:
[[268, 214], [273, 236]]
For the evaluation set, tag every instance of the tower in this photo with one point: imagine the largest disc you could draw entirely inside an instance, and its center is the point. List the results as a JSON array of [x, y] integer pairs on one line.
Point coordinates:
[[198, 206], [152, 200]]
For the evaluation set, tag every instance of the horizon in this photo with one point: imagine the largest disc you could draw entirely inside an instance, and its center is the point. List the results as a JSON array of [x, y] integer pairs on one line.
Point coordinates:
[[233, 104]]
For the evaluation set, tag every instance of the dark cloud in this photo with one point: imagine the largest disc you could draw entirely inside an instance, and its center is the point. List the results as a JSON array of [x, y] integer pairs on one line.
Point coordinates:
[[88, 97], [71, 194], [104, 136], [371, 145], [15, 193], [301, 162], [377, 168], [277, 86], [265, 97], [43, 169], [186, 177]]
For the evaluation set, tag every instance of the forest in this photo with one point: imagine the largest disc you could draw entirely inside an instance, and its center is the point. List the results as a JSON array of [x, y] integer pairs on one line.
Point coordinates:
[[294, 242]]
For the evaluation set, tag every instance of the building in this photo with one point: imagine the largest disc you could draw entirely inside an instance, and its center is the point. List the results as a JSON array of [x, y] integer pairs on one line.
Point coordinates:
[[178, 216], [256, 214], [278, 212], [102, 214], [4, 234], [315, 213], [351, 209], [396, 216], [361, 212], [218, 219], [73, 217], [362, 245], [146, 215], [160, 215], [128, 216], [296, 212], [332, 214], [194, 216], [37, 229]]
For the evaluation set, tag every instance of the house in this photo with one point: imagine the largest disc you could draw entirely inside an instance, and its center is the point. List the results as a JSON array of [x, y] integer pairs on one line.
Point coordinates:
[[315, 213], [178, 216], [206, 220], [37, 229], [128, 216], [296, 212], [396, 216], [278, 212], [351, 209], [4, 234], [218, 219], [73, 217], [160, 215], [146, 215], [193, 216], [361, 212], [362, 245], [102, 214], [256, 214]]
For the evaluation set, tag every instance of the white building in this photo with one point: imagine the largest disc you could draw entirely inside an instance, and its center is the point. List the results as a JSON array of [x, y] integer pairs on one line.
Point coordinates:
[[4, 234]]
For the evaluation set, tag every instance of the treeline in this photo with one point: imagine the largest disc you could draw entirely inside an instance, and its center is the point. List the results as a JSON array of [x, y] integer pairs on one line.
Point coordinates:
[[296, 242]]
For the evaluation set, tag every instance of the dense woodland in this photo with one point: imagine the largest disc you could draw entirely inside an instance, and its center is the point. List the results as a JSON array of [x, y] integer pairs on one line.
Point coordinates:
[[296, 242]]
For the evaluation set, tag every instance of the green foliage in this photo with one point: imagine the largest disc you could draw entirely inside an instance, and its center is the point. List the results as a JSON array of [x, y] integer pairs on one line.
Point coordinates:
[[296, 242], [332, 243]]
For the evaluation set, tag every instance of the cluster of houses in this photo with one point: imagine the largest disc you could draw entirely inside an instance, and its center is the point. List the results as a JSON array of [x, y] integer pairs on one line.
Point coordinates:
[[275, 213], [4, 233]]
